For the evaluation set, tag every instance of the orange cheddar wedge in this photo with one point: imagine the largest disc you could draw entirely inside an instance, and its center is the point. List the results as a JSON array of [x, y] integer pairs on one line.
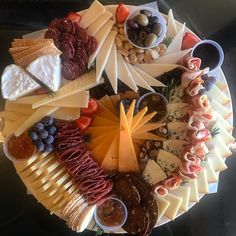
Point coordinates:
[[137, 118], [130, 113], [106, 113], [96, 131], [106, 101], [148, 127], [100, 121], [114, 99], [148, 136]]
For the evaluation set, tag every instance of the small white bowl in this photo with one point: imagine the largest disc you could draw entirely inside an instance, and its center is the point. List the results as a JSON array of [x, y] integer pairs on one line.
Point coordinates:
[[161, 20]]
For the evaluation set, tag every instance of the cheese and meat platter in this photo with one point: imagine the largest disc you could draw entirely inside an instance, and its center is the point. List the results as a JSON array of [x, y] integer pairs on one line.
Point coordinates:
[[116, 117]]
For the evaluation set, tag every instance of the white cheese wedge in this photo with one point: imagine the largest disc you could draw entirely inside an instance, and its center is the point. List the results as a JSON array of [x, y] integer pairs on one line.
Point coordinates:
[[184, 192], [171, 26], [167, 161], [111, 68], [174, 146], [175, 203], [92, 14], [138, 78], [16, 83], [172, 58], [162, 204], [104, 53], [177, 111], [124, 74], [156, 69], [84, 82], [48, 70], [222, 110], [153, 173], [66, 113], [99, 23], [223, 148], [100, 36], [149, 79], [216, 159], [211, 174], [218, 95], [202, 182], [176, 42], [177, 130], [192, 184], [36, 116]]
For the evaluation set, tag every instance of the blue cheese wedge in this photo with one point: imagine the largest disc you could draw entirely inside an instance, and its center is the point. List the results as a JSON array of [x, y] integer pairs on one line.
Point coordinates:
[[167, 161], [177, 111], [174, 146], [152, 173], [177, 130], [176, 95]]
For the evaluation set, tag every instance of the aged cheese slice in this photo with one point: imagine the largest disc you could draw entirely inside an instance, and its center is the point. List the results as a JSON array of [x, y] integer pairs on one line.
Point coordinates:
[[176, 42], [224, 123], [92, 14], [174, 207], [202, 182], [36, 116], [100, 121], [148, 127], [137, 118], [130, 113], [115, 99], [174, 146], [111, 159], [184, 192], [222, 110], [211, 174], [111, 68], [66, 113], [148, 136], [124, 74], [177, 130], [171, 26], [12, 116], [162, 204], [172, 58], [99, 23], [22, 108], [127, 156], [156, 69], [84, 82], [106, 113], [138, 78], [107, 102], [192, 184], [216, 159], [223, 148], [101, 36], [218, 95], [96, 131], [104, 53], [152, 173]]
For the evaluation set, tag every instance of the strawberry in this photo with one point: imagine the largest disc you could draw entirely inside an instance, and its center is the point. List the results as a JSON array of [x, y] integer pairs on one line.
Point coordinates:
[[122, 13], [83, 122], [189, 40], [73, 16], [91, 109]]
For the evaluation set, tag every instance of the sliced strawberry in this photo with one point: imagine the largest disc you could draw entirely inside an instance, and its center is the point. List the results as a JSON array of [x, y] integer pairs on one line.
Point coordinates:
[[91, 109], [189, 41], [83, 122], [73, 16], [122, 13]]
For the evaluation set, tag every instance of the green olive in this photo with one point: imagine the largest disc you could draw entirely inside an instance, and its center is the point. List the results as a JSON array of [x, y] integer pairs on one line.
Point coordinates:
[[142, 20], [157, 28], [150, 40]]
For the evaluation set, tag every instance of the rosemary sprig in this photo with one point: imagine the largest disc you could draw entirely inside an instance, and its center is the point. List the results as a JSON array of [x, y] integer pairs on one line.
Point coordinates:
[[215, 131], [167, 41], [99, 231]]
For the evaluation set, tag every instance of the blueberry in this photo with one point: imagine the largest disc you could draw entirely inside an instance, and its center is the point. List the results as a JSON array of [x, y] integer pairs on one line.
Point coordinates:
[[49, 148], [43, 134], [204, 77], [33, 135], [48, 120], [40, 145], [208, 83], [39, 127], [153, 20], [52, 129], [49, 139]]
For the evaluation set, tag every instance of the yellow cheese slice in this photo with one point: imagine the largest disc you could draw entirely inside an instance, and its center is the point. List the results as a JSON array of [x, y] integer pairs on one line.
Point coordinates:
[[223, 148], [224, 123], [106, 101], [163, 204], [220, 84], [115, 99], [127, 156], [96, 131], [202, 182], [66, 113], [148, 136], [130, 113], [212, 177], [100, 121], [111, 159], [84, 82], [106, 113], [23, 108], [192, 184], [148, 127], [12, 115], [218, 95], [137, 118], [35, 117], [175, 203], [222, 110], [184, 192]]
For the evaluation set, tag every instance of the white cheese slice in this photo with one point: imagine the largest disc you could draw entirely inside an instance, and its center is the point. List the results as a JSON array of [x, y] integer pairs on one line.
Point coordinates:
[[202, 182], [92, 14], [149, 79], [124, 74], [152, 173], [222, 110], [216, 159], [156, 69], [171, 26], [211, 174], [176, 42], [177, 130], [224, 123], [66, 113], [111, 68], [162, 204], [138, 78], [221, 85], [99, 23], [172, 58], [174, 146], [184, 192], [22, 108], [223, 148], [12, 115], [177, 111], [84, 82], [104, 53], [36, 116], [48, 70], [192, 184], [16, 83], [167, 161], [174, 207], [218, 95], [100, 36]]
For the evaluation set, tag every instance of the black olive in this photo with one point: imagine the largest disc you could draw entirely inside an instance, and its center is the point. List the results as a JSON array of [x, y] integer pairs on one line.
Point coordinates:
[[132, 24], [153, 20], [157, 28], [146, 13], [132, 35], [139, 43], [147, 29], [142, 35]]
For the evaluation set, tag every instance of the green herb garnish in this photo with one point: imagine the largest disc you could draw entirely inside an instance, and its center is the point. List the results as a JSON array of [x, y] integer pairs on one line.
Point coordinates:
[[167, 41], [99, 231], [215, 131]]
